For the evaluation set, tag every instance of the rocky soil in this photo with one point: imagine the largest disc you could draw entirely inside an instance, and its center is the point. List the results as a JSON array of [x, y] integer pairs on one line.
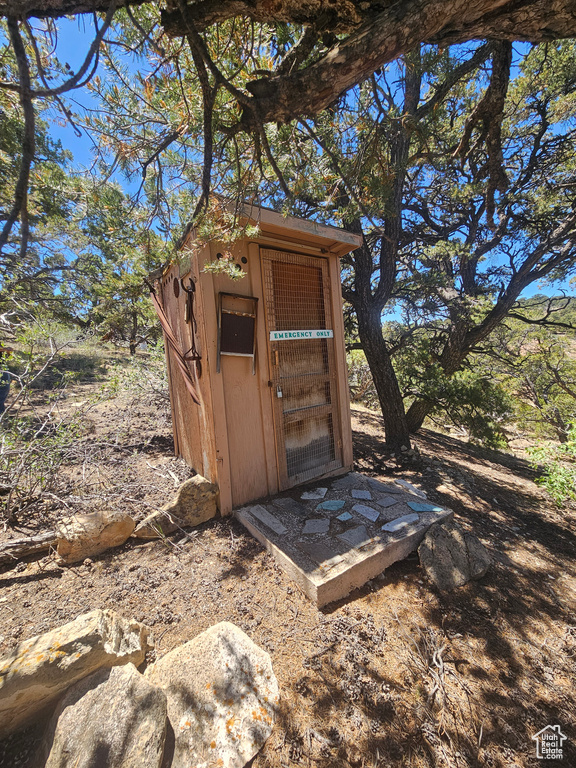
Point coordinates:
[[398, 674]]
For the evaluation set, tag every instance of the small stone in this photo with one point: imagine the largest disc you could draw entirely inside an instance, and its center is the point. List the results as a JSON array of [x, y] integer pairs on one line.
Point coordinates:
[[262, 514], [355, 536], [332, 505], [82, 536], [418, 507], [357, 493], [114, 713], [387, 501], [368, 512], [321, 525], [400, 522], [222, 695], [317, 493], [344, 517]]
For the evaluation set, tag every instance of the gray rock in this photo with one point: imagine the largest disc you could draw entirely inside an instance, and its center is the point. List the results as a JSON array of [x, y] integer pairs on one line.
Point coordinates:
[[194, 503], [222, 696], [42, 668], [452, 557], [82, 536], [114, 718]]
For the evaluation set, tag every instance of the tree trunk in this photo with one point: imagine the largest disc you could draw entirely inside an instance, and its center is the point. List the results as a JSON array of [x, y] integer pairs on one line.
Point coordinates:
[[417, 413], [384, 376]]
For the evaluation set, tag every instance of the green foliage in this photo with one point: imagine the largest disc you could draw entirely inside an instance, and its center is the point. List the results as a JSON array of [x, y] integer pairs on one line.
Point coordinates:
[[558, 466]]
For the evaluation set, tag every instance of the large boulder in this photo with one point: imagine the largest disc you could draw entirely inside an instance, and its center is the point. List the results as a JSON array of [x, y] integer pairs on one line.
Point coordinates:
[[42, 668], [222, 696], [194, 503], [82, 536], [114, 718], [452, 556]]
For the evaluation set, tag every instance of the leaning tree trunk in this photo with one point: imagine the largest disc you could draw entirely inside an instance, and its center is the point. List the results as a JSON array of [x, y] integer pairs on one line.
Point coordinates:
[[384, 376], [454, 353], [416, 414]]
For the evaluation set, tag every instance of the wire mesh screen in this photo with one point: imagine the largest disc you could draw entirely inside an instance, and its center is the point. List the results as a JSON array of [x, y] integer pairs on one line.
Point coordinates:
[[298, 299]]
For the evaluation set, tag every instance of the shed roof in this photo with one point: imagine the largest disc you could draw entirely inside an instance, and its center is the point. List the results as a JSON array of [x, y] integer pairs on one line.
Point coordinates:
[[294, 229]]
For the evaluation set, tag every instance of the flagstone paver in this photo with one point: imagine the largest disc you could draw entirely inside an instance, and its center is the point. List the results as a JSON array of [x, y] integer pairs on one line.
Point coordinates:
[[344, 517], [332, 505], [387, 501], [265, 517], [317, 493], [355, 536], [412, 488], [368, 512], [418, 507], [358, 493], [321, 525], [400, 522]]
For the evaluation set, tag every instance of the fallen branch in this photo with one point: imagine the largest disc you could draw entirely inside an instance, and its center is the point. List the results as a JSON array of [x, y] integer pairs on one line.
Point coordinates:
[[16, 549]]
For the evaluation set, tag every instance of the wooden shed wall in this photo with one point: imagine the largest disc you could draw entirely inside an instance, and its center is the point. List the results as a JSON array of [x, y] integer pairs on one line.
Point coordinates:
[[193, 424], [242, 409], [230, 437]]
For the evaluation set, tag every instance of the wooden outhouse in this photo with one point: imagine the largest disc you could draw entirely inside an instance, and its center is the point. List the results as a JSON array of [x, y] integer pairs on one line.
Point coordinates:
[[257, 367]]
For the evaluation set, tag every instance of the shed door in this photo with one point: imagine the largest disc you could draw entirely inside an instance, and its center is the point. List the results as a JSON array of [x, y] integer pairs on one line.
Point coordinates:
[[302, 365]]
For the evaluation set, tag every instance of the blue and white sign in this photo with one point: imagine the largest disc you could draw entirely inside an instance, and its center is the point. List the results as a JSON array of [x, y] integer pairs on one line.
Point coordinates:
[[288, 335]]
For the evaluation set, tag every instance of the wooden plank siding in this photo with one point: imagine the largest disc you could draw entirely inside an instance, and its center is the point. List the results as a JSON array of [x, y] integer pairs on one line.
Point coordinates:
[[235, 437]]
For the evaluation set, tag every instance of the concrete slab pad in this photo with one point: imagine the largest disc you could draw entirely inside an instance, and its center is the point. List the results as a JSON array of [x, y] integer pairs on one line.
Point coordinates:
[[358, 493], [317, 493], [319, 552], [368, 512], [322, 525], [330, 566]]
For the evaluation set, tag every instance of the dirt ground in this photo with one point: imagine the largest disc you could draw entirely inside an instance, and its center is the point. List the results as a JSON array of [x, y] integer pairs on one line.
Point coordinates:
[[398, 674]]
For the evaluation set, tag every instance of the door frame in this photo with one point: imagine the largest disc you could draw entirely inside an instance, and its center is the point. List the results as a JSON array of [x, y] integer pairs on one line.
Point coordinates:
[[286, 481]]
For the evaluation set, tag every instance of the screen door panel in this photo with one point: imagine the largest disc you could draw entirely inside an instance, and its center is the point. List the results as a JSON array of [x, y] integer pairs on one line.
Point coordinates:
[[302, 369]]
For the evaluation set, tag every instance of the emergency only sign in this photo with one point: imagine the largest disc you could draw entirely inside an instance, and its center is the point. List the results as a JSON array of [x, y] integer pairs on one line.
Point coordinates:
[[287, 335]]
